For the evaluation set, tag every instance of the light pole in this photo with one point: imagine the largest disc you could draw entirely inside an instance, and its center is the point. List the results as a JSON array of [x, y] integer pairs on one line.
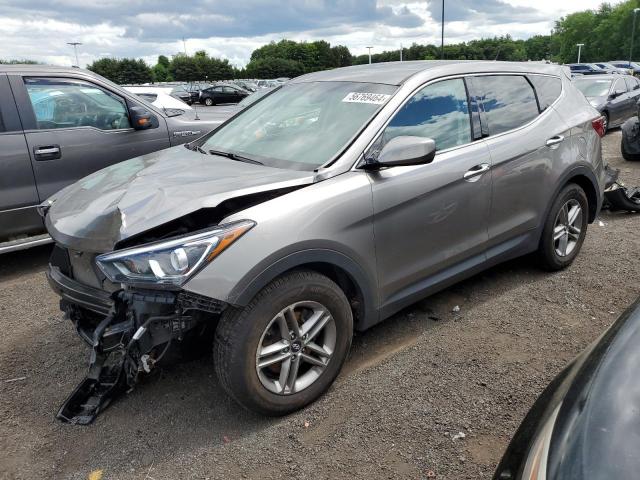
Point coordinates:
[[75, 49], [633, 31], [400, 52], [369, 54], [579, 45], [442, 39]]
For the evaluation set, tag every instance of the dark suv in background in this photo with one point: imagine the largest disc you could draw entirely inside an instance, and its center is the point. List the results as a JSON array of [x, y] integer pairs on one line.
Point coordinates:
[[58, 125]]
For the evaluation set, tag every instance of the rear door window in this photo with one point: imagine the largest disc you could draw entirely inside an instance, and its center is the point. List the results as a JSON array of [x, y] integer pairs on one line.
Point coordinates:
[[509, 101], [547, 88], [68, 103]]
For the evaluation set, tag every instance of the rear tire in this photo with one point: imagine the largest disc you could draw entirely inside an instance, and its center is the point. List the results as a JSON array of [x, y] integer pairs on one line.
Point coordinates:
[[243, 335], [565, 229], [630, 157], [208, 102]]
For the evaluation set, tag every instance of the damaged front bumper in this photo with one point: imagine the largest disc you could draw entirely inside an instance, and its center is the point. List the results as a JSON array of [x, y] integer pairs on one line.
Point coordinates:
[[129, 330]]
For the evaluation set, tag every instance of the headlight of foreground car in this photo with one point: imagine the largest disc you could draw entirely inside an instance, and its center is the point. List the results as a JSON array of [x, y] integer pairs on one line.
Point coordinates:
[[535, 467], [170, 262]]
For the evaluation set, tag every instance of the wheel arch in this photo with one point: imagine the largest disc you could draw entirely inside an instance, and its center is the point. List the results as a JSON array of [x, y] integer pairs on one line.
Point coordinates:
[[590, 190], [343, 270], [583, 177]]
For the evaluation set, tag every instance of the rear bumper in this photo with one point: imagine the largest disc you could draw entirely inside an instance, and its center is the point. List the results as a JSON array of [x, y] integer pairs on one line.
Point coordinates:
[[96, 300]]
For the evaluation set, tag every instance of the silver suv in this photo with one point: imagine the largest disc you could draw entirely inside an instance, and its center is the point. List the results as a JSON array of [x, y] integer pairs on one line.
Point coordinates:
[[325, 207]]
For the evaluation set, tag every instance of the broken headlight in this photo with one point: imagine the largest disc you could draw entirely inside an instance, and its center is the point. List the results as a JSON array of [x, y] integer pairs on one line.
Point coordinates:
[[170, 262]]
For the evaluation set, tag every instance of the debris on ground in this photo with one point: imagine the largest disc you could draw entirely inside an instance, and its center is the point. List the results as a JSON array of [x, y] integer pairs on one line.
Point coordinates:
[[95, 475], [17, 379], [456, 309], [617, 196], [458, 436]]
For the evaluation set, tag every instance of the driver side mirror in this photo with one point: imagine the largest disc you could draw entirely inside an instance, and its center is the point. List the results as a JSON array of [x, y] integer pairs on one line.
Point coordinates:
[[140, 118], [406, 151], [616, 94]]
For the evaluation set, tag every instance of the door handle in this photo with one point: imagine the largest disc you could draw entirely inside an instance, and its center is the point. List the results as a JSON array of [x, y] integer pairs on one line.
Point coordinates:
[[48, 152], [555, 140], [473, 173]]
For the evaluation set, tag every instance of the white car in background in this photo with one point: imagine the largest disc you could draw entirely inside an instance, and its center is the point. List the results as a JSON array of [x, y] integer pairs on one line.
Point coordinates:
[[159, 96]]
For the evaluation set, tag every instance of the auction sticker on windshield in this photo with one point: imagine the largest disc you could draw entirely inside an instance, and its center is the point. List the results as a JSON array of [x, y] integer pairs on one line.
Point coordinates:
[[363, 97]]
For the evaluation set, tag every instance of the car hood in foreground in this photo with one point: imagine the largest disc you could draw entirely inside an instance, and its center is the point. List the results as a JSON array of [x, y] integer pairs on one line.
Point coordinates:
[[131, 197], [597, 431]]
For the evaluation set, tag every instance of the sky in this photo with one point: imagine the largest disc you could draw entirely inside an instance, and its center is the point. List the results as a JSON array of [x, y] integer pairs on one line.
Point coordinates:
[[40, 29]]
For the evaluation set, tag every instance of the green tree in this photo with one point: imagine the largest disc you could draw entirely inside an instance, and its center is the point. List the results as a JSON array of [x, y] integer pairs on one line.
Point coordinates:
[[122, 71], [273, 67]]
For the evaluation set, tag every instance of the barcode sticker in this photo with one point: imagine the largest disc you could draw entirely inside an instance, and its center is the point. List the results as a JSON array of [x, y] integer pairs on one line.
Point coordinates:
[[363, 97]]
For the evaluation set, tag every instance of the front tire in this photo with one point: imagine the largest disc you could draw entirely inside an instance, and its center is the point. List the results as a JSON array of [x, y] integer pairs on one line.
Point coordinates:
[[208, 101], [285, 349], [565, 229]]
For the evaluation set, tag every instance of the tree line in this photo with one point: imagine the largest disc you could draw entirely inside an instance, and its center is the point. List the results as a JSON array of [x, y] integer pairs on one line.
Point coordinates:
[[605, 33]]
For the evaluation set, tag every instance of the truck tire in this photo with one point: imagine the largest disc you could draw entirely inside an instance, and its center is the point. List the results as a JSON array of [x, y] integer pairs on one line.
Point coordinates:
[[286, 347], [565, 229]]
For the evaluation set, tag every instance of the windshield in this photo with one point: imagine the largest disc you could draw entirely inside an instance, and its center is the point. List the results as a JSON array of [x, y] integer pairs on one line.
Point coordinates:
[[593, 88], [303, 125], [254, 97]]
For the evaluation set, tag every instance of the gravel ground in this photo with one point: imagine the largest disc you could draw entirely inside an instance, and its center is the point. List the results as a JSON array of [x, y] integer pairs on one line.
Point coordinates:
[[410, 386]]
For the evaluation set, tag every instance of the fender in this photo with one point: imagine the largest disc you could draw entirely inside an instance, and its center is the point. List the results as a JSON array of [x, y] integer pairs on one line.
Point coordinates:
[[253, 282]]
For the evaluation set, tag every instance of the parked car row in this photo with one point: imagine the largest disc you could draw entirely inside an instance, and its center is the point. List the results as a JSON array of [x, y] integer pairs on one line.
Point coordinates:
[[621, 67]]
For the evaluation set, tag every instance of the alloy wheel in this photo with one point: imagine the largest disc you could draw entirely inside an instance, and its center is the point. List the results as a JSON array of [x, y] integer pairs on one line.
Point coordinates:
[[295, 348], [567, 228]]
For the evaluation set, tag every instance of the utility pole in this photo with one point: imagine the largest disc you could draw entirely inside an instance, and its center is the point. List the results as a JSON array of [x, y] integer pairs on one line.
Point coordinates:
[[633, 31], [579, 45], [442, 40], [184, 44], [369, 54], [400, 52], [75, 49]]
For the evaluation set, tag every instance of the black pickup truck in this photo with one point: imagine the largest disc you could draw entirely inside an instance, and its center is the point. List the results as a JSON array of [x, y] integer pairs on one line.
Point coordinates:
[[60, 124]]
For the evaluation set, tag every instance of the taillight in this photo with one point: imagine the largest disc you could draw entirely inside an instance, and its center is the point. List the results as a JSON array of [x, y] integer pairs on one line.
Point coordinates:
[[599, 126]]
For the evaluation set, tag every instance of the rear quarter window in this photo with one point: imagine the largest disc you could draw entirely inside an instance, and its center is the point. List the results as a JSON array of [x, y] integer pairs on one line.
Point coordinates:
[[509, 101], [547, 88]]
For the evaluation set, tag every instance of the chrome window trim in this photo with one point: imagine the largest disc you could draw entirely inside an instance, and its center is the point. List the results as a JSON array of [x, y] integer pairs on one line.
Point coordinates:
[[357, 164]]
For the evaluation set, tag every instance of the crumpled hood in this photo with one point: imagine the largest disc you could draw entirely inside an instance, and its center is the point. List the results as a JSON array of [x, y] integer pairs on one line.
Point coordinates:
[[131, 197]]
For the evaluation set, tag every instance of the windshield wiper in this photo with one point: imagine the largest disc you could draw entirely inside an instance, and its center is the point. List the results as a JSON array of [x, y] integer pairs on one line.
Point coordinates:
[[196, 148], [235, 156]]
